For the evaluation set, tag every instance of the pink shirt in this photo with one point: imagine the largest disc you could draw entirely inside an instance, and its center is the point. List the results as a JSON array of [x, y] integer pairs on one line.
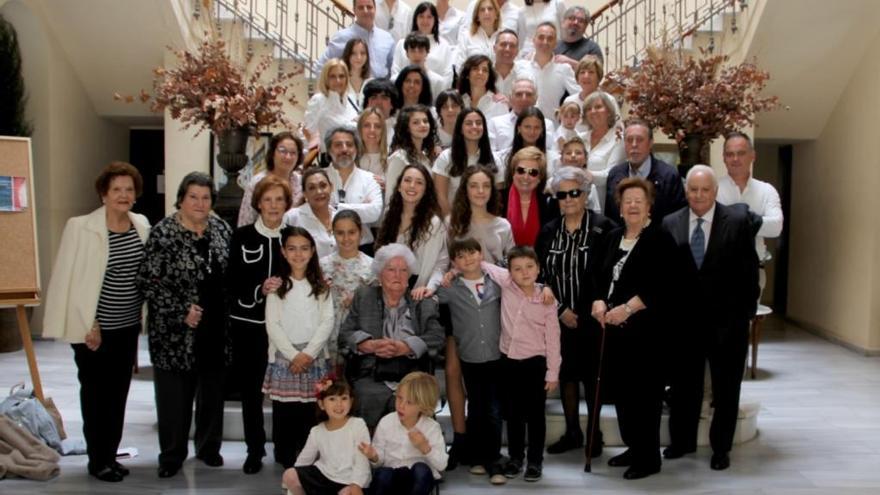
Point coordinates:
[[528, 326]]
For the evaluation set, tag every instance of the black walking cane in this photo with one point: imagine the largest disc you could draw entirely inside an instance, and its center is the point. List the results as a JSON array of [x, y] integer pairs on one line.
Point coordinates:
[[597, 407]]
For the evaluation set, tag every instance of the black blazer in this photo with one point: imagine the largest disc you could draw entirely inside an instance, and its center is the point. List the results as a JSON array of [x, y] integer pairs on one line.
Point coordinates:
[[648, 273], [253, 258], [725, 289], [668, 189]]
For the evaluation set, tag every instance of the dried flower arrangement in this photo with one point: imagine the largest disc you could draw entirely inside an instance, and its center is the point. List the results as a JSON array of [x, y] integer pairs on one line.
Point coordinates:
[[209, 91], [681, 95]]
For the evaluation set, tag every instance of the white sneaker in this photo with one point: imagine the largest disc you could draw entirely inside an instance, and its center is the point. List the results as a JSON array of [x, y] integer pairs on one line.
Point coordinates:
[[478, 470]]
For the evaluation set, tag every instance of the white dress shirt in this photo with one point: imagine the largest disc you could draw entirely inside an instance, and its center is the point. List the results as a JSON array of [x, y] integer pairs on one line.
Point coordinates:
[[762, 198], [708, 217], [600, 158], [487, 105], [326, 112], [396, 450], [552, 81], [451, 24], [397, 21], [303, 216], [475, 44], [531, 16], [362, 195]]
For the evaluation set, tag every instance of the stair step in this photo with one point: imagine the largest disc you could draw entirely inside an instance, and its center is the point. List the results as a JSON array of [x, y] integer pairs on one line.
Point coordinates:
[[746, 428]]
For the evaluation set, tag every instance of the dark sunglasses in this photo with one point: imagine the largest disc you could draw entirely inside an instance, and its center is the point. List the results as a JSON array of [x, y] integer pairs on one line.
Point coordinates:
[[531, 171], [574, 193]]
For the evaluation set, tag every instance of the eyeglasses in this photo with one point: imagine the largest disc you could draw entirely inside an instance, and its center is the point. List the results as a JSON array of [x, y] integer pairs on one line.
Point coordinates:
[[285, 151], [533, 172], [574, 193]]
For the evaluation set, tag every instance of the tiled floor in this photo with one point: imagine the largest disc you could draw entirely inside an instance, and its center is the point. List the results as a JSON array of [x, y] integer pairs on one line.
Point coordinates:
[[819, 434]]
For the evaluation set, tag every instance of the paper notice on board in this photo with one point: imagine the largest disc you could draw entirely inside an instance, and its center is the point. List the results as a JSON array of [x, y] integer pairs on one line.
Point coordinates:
[[13, 193]]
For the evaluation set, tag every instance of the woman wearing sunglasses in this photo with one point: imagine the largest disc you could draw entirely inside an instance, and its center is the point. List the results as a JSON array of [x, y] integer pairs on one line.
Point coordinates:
[[565, 247], [524, 202]]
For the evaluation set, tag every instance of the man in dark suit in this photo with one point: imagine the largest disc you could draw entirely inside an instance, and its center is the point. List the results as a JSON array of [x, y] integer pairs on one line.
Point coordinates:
[[719, 279], [638, 138]]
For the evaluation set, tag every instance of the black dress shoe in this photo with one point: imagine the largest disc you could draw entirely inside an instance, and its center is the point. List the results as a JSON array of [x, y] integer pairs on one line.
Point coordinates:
[[621, 460], [720, 462], [639, 472], [213, 460], [168, 470], [119, 468], [675, 452], [565, 443], [253, 464], [106, 473]]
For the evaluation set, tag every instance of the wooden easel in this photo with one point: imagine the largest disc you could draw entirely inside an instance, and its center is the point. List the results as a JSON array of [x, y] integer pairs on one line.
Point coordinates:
[[20, 300]]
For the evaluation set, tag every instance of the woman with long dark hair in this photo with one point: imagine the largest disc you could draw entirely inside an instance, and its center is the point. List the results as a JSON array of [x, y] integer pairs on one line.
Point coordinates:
[[470, 146], [356, 56], [477, 86], [530, 130], [413, 219], [415, 141], [447, 107], [414, 86]]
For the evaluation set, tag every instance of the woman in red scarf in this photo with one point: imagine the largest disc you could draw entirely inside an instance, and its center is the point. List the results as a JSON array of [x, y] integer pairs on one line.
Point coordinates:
[[525, 205]]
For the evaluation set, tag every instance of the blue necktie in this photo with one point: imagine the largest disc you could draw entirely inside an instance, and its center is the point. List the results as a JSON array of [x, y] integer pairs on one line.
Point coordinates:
[[698, 243]]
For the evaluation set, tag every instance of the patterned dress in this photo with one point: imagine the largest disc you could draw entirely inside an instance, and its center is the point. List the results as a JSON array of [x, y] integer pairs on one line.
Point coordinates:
[[345, 276]]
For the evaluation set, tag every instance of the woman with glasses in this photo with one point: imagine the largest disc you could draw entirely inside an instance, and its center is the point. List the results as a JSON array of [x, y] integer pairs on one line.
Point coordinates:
[[316, 214], [524, 203], [283, 157], [565, 247]]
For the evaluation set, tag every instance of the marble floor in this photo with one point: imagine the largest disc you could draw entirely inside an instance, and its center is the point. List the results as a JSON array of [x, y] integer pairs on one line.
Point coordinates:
[[819, 433]]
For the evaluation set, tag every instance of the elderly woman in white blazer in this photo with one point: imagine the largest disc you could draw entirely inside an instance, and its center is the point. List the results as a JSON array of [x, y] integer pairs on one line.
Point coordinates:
[[93, 303]]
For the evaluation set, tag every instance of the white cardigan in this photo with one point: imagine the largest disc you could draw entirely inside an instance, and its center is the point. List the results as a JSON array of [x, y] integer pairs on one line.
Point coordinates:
[[75, 286]]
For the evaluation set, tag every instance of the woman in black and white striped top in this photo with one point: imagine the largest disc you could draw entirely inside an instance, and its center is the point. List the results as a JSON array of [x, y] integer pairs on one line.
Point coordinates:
[[93, 303]]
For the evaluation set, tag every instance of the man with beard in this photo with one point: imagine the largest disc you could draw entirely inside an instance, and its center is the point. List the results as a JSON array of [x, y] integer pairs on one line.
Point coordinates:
[[353, 188], [573, 45]]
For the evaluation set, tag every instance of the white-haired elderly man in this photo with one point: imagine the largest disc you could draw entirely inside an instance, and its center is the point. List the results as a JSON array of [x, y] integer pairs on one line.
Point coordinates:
[[387, 334], [524, 94], [718, 281], [565, 247]]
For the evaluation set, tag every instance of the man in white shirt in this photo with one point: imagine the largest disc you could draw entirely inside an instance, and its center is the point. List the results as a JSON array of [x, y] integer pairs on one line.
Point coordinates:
[[353, 188], [506, 49], [501, 129], [380, 43], [552, 78], [394, 16], [738, 186]]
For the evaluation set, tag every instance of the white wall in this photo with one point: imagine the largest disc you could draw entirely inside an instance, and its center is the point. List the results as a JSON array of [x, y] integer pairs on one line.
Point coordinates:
[[71, 143], [835, 254]]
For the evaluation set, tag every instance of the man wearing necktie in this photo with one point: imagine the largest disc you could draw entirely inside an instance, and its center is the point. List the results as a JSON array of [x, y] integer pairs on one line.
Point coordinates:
[[719, 288]]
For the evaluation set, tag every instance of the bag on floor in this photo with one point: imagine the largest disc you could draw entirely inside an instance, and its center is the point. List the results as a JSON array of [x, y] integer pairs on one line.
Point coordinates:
[[25, 409]]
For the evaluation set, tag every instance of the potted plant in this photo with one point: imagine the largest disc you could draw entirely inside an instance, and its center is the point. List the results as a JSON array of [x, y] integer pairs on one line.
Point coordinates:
[[693, 100]]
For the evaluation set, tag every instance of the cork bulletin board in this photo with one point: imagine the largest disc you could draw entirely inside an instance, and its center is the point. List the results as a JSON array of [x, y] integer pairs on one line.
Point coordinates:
[[19, 265]]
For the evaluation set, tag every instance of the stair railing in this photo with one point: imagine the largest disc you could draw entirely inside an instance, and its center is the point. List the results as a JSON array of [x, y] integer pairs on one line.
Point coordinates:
[[624, 29]]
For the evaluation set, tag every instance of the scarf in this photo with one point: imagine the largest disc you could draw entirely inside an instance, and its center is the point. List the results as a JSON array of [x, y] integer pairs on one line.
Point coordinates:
[[525, 231], [266, 231]]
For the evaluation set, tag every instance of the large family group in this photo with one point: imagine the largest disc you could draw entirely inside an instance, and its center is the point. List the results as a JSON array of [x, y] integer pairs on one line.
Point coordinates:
[[511, 231]]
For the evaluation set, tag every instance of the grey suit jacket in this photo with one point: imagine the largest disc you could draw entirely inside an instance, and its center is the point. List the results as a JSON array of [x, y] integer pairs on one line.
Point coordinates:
[[365, 321]]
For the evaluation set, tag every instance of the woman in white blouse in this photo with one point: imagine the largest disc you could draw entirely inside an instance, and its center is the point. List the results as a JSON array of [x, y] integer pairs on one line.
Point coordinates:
[[589, 74], [440, 53], [414, 142], [603, 139], [477, 87], [373, 143], [316, 214], [470, 146], [479, 39], [329, 107], [357, 59], [534, 13]]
